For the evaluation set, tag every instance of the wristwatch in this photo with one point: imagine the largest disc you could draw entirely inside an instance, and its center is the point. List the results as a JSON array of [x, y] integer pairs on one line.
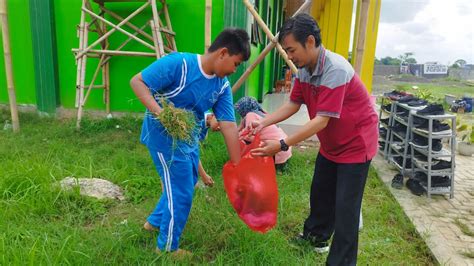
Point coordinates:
[[283, 145]]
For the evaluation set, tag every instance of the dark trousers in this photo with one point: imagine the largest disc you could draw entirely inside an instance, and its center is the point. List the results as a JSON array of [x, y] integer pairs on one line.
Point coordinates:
[[336, 196]]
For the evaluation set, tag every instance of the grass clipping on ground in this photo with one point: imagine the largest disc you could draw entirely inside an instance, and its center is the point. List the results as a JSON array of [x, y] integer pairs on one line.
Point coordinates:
[[180, 124]]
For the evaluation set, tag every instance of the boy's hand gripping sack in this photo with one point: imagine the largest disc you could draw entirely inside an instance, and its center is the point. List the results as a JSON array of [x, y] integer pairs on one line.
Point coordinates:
[[252, 188]]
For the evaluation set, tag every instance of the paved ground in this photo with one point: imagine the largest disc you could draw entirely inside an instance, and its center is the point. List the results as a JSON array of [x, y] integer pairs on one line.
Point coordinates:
[[439, 219]]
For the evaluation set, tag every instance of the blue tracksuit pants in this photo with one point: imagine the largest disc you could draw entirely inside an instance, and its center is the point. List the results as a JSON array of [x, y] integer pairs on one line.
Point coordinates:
[[179, 174]]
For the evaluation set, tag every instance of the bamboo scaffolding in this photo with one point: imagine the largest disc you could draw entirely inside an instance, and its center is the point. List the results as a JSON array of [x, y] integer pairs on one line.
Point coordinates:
[[105, 53], [115, 27], [119, 18], [273, 43], [140, 9], [8, 66]]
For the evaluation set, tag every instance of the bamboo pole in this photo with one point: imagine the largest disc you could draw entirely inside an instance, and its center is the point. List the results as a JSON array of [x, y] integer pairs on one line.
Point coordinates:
[[360, 48], [267, 49], [106, 73], [154, 30], [169, 36], [104, 58], [155, 39], [140, 9], [83, 77], [168, 22], [207, 36], [251, 68], [94, 20], [94, 77], [79, 60], [269, 34], [8, 66], [113, 52]]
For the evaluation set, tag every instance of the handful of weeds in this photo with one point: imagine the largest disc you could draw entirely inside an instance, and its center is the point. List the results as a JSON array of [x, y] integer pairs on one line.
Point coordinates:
[[179, 123]]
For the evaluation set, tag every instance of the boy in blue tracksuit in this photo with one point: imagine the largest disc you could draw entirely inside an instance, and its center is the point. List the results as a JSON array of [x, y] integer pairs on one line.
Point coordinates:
[[196, 83]]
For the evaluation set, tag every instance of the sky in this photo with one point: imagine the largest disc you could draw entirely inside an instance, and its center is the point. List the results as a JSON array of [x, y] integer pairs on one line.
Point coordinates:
[[434, 30]]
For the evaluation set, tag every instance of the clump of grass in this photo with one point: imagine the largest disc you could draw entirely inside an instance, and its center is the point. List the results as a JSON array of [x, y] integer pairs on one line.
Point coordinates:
[[468, 253], [179, 123], [464, 228]]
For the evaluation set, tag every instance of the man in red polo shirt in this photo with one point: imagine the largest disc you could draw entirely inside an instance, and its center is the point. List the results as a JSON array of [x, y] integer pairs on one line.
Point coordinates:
[[342, 116]]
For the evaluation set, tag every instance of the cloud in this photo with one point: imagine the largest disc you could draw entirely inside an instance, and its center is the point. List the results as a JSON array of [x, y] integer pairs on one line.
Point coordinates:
[[434, 31], [400, 11]]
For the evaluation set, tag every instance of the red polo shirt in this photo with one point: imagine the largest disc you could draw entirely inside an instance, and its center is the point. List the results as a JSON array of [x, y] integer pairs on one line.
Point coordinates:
[[334, 90]]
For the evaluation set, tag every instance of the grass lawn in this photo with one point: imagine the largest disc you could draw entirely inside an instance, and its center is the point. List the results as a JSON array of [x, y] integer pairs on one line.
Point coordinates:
[[41, 225]]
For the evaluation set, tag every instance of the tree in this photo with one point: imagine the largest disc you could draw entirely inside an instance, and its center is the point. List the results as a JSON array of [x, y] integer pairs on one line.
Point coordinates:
[[390, 61], [459, 63], [407, 58]]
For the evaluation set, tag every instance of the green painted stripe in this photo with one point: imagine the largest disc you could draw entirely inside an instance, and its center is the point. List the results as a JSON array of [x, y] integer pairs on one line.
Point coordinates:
[[45, 55]]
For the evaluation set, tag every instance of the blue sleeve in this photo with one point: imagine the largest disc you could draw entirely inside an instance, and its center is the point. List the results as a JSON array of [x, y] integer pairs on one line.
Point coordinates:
[[164, 72], [224, 108]]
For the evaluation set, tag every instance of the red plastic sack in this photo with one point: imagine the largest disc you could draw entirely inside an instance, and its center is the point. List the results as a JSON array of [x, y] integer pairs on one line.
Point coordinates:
[[252, 188]]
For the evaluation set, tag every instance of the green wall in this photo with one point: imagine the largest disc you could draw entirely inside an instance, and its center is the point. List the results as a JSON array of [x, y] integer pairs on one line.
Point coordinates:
[[187, 17], [22, 54]]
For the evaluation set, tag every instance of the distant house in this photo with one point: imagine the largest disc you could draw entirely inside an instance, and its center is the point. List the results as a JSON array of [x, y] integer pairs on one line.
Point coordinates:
[[428, 70]]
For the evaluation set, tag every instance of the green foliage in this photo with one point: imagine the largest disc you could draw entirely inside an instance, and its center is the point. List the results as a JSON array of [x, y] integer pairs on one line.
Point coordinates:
[[42, 225], [390, 61]]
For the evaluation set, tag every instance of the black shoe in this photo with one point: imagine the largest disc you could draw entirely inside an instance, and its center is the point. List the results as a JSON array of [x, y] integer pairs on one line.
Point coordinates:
[[420, 157], [437, 127], [384, 121], [420, 176], [436, 146], [397, 181], [383, 132], [387, 107], [422, 143], [399, 129], [415, 187], [417, 103], [441, 165], [320, 246], [399, 161], [408, 98], [418, 121], [432, 109], [396, 95]]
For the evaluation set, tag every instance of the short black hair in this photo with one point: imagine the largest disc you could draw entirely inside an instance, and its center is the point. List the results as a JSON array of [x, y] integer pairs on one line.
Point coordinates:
[[301, 26], [235, 40]]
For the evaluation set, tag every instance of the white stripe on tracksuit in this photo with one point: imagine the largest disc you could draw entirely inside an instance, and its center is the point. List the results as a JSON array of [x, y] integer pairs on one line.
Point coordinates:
[[182, 82], [169, 195]]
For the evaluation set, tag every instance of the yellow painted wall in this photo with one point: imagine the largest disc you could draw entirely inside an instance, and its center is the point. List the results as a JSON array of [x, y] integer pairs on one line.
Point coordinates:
[[335, 17], [370, 42]]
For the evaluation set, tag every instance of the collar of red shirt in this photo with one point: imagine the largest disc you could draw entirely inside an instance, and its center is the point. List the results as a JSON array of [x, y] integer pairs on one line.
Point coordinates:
[[318, 70]]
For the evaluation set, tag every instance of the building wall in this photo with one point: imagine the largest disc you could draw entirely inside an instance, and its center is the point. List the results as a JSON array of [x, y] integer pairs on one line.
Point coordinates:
[[461, 73], [187, 18], [21, 53], [384, 70]]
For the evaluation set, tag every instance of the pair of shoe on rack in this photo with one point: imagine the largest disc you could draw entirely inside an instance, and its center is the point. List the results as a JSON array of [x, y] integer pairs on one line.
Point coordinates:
[[412, 184]]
